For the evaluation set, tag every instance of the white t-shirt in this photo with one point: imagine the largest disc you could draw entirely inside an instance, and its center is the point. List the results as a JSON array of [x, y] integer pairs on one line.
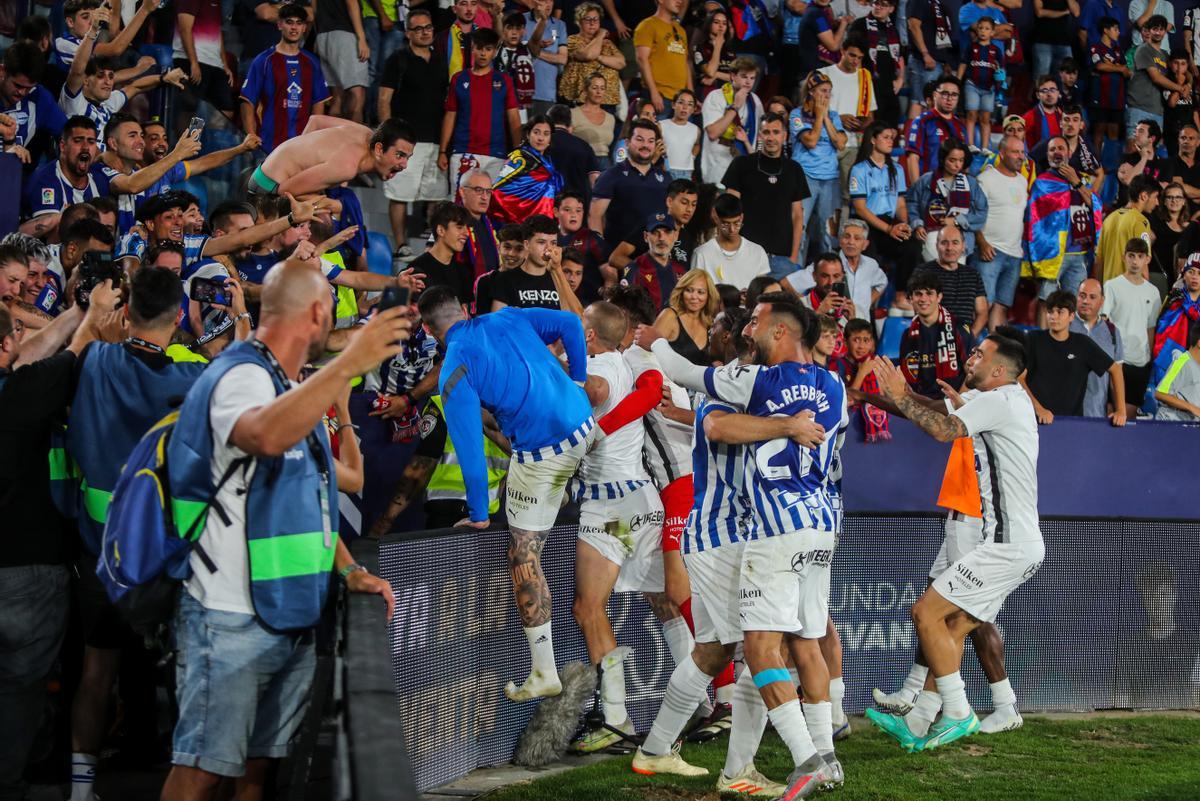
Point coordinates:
[[243, 388], [679, 141], [1004, 431], [738, 267], [1007, 198], [844, 97], [667, 450], [1133, 308], [862, 282], [715, 156], [618, 457]]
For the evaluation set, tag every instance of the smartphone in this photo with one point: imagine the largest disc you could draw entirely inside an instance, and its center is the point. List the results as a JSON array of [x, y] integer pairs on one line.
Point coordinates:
[[393, 296], [841, 289], [209, 290], [195, 126]]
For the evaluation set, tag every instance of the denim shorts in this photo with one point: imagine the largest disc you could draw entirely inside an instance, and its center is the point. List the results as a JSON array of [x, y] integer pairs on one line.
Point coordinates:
[[1000, 276], [242, 689], [1074, 270], [918, 76], [979, 100]]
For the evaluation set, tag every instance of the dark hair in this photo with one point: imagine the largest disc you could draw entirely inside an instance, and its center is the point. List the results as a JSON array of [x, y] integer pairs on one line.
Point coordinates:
[[154, 121], [163, 246], [945, 79], [78, 121], [641, 124], [687, 92], [873, 130], [1010, 349], [755, 289], [924, 279], [948, 146], [826, 256], [636, 302], [116, 121], [1157, 21], [445, 213], [513, 232], [988, 20], [83, 231], [158, 204], [681, 186], [514, 19], [219, 218], [96, 65], [1068, 64], [574, 255], [1107, 22], [1137, 245], [727, 206], [771, 116], [540, 224], [1143, 185], [1193, 335], [856, 40], [420, 11], [1154, 129], [859, 325], [571, 194], [536, 119], [558, 114], [13, 252], [1061, 299], [393, 130], [437, 300], [154, 293], [1070, 108], [103, 204], [290, 10], [73, 7], [25, 58], [731, 296], [34, 28], [803, 320], [735, 320], [78, 211], [484, 37]]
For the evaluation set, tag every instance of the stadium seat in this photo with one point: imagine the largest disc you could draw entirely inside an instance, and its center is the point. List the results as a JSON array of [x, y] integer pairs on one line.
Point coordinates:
[[379, 253], [893, 330]]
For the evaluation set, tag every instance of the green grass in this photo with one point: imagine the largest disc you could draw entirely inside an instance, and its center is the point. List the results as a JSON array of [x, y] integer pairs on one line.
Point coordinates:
[[1090, 759]]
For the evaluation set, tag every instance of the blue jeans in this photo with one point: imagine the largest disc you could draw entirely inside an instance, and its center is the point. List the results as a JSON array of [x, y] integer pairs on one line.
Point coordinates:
[[1135, 115], [1071, 274], [1000, 276], [979, 100], [678, 175], [781, 266], [242, 688], [35, 600], [918, 76], [823, 201], [1046, 56]]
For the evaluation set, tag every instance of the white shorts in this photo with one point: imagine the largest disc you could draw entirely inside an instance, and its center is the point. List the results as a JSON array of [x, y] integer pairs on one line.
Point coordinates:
[[536, 489], [979, 581], [785, 583], [627, 531], [715, 576], [460, 163], [421, 179], [963, 534]]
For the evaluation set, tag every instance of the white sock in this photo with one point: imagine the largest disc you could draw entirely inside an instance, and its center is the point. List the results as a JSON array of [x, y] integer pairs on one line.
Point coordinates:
[[749, 720], [725, 693], [916, 679], [541, 649], [612, 690], [679, 639], [688, 685], [1002, 694], [83, 775], [819, 718], [837, 693], [954, 696], [788, 720], [923, 712]]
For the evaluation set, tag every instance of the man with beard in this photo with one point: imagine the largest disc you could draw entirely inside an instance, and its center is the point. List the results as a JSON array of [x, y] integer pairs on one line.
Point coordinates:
[[70, 179], [934, 126], [682, 196], [656, 270], [157, 142], [627, 193], [1080, 158], [998, 417], [332, 151]]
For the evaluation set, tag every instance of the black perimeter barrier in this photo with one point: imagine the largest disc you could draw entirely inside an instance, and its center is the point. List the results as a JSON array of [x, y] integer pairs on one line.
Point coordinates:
[[1109, 622]]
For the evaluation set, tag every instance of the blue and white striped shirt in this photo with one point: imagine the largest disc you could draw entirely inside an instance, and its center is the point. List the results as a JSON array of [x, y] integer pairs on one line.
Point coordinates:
[[720, 509]]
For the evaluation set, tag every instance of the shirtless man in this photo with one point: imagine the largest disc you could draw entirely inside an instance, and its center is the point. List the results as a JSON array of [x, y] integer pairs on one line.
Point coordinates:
[[332, 151]]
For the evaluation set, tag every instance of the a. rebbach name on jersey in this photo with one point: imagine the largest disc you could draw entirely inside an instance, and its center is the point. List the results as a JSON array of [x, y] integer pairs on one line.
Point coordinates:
[[720, 508]]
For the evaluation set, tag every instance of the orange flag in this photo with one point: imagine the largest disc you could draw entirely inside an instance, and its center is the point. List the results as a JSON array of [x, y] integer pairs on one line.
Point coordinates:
[[960, 484]]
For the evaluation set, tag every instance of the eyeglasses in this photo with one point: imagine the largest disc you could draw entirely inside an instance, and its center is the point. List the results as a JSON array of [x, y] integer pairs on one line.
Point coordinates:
[[478, 190], [1174, 197], [590, 19], [948, 94], [1049, 90], [420, 28]]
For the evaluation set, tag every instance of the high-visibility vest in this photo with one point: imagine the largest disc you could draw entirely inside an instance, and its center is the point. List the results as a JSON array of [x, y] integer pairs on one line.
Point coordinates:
[[446, 482]]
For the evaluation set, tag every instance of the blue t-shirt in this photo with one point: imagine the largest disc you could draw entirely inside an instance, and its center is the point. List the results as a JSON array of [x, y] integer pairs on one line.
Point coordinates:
[[48, 190], [127, 204], [545, 74], [880, 187], [819, 163], [253, 268], [37, 111]]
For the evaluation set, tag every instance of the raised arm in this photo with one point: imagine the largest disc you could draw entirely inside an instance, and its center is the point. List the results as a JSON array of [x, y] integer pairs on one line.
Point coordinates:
[[219, 158], [552, 326]]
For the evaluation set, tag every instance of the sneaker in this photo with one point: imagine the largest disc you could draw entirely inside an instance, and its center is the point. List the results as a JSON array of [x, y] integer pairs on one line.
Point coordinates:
[[537, 685], [895, 726], [404, 253], [843, 731], [750, 782], [946, 731], [806, 779], [900, 702], [1005, 718], [719, 722], [835, 775], [592, 741], [673, 763]]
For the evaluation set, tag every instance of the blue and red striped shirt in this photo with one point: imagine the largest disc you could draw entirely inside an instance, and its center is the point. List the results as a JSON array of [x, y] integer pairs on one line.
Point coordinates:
[[926, 134], [1108, 88], [983, 62], [481, 103], [283, 90]]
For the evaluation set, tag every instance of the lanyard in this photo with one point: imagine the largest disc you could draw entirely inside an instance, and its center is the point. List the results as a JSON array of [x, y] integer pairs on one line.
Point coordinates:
[[141, 343]]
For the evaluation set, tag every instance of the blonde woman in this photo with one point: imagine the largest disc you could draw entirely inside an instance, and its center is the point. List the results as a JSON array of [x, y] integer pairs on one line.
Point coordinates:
[[590, 122], [591, 51], [689, 314]]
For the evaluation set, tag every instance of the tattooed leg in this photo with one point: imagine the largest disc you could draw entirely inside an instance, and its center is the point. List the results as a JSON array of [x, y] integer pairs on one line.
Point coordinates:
[[529, 582]]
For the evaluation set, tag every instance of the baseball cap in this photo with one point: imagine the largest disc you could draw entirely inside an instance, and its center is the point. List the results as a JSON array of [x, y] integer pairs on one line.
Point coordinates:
[[1013, 119], [660, 220], [1192, 263]]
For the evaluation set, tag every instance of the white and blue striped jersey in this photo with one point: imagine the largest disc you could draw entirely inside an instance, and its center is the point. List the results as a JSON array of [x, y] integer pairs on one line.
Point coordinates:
[[720, 508], [38, 110], [788, 485], [133, 246]]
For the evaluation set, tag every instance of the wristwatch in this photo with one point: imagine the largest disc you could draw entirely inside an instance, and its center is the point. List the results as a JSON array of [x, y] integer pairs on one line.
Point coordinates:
[[353, 567]]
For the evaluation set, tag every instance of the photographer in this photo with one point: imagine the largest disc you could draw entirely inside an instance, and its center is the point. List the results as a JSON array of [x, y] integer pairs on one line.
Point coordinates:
[[35, 388]]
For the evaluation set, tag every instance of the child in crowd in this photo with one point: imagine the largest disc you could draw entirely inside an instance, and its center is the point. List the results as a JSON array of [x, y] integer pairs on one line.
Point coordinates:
[[860, 354], [1069, 90], [515, 59], [983, 71], [680, 137], [1108, 84]]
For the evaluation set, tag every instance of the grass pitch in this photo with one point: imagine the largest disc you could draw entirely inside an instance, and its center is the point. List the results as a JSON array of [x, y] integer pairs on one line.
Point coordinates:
[[1090, 759]]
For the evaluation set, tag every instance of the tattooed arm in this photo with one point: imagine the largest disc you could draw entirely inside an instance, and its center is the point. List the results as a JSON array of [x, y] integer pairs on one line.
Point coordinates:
[[412, 482], [932, 419]]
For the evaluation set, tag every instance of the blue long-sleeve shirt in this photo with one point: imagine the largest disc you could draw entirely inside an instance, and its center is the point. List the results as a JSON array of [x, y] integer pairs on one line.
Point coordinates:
[[499, 361]]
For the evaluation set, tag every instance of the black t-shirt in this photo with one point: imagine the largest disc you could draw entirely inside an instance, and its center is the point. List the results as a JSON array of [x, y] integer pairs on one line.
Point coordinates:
[[768, 188], [419, 89], [485, 291], [33, 400], [575, 161], [940, 41], [959, 289], [1189, 175], [455, 275], [1058, 371], [1161, 170], [524, 291], [333, 17]]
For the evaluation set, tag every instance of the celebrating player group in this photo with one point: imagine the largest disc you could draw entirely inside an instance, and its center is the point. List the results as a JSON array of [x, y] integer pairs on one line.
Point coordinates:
[[715, 491]]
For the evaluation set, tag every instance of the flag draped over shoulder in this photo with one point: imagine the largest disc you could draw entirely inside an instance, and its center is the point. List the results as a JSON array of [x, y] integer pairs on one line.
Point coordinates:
[[1048, 226], [527, 185], [1170, 333]]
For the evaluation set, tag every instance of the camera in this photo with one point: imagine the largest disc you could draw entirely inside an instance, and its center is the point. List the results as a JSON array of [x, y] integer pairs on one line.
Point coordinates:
[[97, 267]]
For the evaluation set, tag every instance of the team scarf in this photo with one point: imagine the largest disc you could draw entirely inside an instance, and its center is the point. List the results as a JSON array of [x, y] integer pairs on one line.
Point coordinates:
[[527, 185], [473, 252], [1170, 332], [948, 364], [875, 420], [882, 39], [729, 136], [948, 196], [457, 49], [941, 25], [1049, 223]]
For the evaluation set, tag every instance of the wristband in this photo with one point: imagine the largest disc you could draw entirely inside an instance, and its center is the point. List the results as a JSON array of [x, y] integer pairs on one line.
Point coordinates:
[[353, 567], [243, 316], [291, 218]]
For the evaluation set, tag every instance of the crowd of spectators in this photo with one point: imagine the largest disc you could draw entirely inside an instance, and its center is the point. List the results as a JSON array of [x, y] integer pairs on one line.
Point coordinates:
[[938, 170]]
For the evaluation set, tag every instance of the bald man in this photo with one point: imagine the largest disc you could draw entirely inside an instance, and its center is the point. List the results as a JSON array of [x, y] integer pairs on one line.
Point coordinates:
[[1089, 300], [251, 435]]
